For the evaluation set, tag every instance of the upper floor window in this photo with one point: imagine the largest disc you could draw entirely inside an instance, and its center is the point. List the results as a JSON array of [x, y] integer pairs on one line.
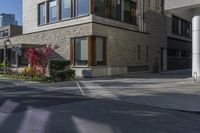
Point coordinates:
[[83, 7], [181, 27], [130, 8], [4, 33], [100, 7], [52, 11], [66, 10], [116, 9], [42, 14], [175, 25]]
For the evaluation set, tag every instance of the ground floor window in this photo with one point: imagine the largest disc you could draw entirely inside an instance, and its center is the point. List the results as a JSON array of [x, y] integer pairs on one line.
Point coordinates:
[[88, 51], [100, 46], [81, 51]]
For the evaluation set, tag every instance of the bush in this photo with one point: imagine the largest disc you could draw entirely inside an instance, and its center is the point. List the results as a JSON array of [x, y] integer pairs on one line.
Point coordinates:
[[1, 66], [62, 75], [33, 74], [59, 69], [58, 64]]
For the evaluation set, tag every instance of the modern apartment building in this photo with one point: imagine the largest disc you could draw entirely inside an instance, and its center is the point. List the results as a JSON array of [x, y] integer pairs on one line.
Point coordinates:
[[104, 37], [7, 19], [189, 10]]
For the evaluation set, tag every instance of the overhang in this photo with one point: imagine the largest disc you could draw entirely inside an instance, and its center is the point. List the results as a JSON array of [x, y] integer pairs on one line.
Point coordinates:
[[24, 46], [182, 8]]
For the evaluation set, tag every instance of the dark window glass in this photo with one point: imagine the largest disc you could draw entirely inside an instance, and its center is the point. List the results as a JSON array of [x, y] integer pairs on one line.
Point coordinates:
[[185, 54], [185, 28], [116, 9], [188, 29], [175, 25], [100, 7], [81, 51], [5, 33], [130, 12], [83, 7], [42, 14], [173, 53], [52, 11], [181, 27], [65, 9]]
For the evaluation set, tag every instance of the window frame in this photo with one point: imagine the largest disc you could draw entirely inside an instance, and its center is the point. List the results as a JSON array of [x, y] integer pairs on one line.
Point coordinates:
[[134, 22], [77, 8], [39, 15], [61, 12], [181, 27], [57, 11], [91, 51]]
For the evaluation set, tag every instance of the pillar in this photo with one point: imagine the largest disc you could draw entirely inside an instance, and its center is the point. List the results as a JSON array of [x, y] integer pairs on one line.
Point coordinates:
[[196, 44]]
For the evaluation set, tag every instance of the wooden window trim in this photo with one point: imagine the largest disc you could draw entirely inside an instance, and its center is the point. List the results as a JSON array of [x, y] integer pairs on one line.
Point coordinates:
[[72, 52], [91, 6], [91, 51], [47, 12], [38, 12], [58, 10]]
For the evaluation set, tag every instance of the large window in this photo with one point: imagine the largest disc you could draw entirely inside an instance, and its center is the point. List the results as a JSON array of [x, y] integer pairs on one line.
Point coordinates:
[[116, 9], [181, 27], [52, 11], [130, 9], [81, 51], [108, 8], [55, 10], [185, 28], [4, 33], [66, 9], [173, 53], [42, 14], [175, 25], [83, 7], [88, 51], [100, 46], [100, 7]]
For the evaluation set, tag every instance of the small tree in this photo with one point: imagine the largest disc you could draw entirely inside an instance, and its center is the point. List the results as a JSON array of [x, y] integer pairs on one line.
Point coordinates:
[[38, 57]]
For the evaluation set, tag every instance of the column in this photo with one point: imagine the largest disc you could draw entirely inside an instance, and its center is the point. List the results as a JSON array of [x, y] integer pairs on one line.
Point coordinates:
[[196, 44]]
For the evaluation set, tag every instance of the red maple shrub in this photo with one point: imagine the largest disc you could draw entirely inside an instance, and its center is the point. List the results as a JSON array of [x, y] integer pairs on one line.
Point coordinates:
[[38, 57]]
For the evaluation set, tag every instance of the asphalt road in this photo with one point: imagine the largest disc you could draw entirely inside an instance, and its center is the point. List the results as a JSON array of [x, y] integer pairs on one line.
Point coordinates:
[[51, 109]]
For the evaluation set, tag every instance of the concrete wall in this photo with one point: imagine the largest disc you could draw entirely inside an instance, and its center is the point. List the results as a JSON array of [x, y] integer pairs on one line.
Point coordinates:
[[173, 4]]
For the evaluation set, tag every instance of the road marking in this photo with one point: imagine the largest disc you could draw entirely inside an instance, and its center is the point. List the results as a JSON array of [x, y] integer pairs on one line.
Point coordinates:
[[81, 90]]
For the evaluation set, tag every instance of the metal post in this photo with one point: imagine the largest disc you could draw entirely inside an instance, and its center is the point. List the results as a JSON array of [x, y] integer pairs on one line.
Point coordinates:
[[4, 60], [16, 60]]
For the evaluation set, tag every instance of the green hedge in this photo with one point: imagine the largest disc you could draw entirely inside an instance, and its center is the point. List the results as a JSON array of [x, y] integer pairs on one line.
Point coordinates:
[[62, 75], [1, 65], [59, 70], [58, 64]]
